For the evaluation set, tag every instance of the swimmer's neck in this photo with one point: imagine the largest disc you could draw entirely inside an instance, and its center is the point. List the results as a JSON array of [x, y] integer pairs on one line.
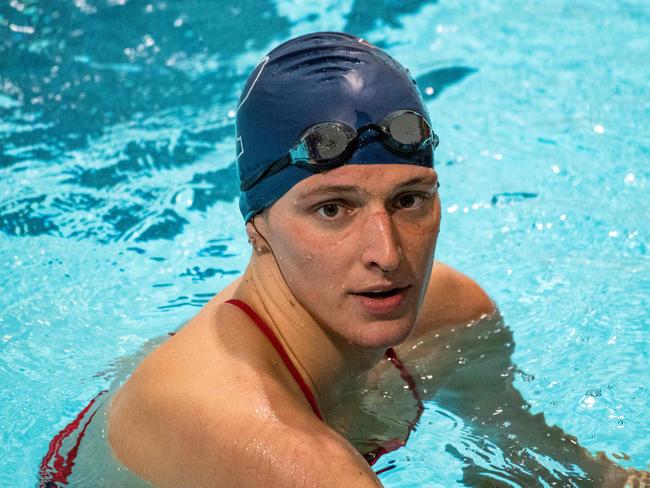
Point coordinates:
[[330, 364]]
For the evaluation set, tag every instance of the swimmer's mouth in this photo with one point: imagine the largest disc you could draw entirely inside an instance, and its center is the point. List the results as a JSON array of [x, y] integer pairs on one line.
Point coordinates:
[[382, 293]]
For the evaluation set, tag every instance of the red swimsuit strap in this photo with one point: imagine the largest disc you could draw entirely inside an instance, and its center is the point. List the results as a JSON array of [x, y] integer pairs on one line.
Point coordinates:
[[266, 330], [373, 456], [410, 382], [56, 467]]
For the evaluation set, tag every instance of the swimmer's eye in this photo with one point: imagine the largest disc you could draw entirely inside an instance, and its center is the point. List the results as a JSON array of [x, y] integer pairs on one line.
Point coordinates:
[[409, 201], [329, 210]]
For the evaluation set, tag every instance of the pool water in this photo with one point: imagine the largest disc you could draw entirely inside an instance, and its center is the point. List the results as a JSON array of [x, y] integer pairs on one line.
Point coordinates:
[[119, 218]]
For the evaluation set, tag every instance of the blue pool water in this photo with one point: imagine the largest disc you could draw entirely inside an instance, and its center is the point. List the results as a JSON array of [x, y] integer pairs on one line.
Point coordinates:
[[118, 210]]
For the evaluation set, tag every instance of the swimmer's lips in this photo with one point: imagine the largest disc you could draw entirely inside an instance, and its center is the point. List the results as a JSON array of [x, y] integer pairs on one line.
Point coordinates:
[[380, 293], [378, 300]]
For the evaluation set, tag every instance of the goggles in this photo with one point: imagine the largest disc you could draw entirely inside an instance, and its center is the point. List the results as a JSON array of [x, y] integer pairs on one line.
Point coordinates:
[[329, 144]]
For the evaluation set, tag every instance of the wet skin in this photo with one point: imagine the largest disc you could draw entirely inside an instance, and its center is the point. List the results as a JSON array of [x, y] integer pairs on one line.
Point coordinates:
[[339, 237], [344, 269]]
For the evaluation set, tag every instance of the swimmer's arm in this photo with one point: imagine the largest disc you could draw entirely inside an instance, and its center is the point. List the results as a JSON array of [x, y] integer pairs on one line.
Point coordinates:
[[473, 376], [452, 302], [498, 409], [186, 438]]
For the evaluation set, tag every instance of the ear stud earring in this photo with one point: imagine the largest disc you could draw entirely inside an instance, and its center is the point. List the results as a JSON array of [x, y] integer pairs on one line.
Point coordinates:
[[253, 243]]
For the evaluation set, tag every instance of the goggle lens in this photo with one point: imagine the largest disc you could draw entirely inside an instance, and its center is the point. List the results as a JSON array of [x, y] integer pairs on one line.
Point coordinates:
[[408, 129], [326, 142]]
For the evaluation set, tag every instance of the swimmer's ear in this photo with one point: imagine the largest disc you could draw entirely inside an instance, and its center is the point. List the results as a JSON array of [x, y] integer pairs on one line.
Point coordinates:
[[255, 238]]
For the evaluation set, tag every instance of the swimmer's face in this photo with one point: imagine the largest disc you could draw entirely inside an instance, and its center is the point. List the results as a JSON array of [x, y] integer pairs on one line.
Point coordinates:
[[356, 245]]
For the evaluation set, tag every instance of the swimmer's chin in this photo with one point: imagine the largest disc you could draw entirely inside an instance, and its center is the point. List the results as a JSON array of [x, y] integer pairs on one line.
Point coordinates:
[[380, 335]]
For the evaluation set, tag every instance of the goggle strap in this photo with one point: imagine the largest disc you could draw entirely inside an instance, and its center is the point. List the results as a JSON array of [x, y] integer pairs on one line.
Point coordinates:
[[276, 167]]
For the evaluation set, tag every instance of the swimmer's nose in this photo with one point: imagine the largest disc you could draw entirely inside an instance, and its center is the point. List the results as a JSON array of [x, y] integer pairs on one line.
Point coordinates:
[[381, 246]]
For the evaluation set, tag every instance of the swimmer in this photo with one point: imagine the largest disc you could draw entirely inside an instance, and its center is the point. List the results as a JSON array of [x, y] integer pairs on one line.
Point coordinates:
[[278, 380]]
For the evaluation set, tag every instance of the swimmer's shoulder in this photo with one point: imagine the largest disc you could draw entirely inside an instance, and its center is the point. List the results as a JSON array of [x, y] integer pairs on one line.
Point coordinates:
[[452, 298], [206, 409]]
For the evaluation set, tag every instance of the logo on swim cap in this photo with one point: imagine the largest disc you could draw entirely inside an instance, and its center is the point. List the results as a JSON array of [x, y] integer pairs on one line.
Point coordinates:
[[262, 63]]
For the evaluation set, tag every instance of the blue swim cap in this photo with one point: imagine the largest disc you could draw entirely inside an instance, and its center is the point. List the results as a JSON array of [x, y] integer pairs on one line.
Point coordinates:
[[317, 77]]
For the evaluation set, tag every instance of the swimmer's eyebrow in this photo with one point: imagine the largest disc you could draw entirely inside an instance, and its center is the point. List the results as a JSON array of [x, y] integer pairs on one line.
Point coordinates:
[[338, 189], [331, 189], [427, 180]]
